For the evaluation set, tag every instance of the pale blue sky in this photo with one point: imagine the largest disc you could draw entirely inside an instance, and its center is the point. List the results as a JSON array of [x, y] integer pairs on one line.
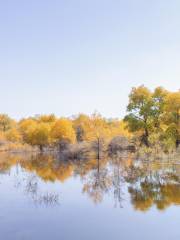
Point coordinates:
[[71, 56]]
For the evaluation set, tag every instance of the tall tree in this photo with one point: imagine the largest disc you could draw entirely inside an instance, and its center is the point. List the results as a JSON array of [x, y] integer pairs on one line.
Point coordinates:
[[140, 111], [158, 97], [98, 132]]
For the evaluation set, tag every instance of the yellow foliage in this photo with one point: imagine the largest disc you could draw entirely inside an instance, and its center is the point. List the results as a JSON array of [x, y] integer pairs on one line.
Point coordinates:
[[46, 118], [40, 136], [2, 135], [6, 122], [119, 128], [95, 126], [98, 128], [35, 133], [27, 126], [13, 135], [63, 130]]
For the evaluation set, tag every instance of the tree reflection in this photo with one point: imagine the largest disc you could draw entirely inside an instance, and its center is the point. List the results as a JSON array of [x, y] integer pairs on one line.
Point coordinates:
[[118, 181], [159, 187], [30, 186], [147, 183], [97, 182]]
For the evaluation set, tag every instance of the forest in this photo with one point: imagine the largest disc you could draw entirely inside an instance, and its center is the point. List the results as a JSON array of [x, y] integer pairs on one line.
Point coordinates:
[[152, 124]]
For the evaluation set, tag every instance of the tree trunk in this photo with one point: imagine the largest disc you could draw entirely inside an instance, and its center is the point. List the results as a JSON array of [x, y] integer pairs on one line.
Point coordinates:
[[98, 155], [177, 143], [146, 135], [41, 148], [178, 127], [63, 145]]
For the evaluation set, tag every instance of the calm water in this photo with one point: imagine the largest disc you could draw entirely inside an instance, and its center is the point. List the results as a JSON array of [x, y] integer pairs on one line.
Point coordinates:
[[43, 197]]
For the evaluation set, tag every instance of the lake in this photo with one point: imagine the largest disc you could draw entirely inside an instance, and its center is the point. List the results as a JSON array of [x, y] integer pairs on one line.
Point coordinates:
[[44, 197]]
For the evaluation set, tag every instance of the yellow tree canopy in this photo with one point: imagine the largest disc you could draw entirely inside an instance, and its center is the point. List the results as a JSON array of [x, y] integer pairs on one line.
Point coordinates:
[[13, 135], [63, 130], [40, 136]]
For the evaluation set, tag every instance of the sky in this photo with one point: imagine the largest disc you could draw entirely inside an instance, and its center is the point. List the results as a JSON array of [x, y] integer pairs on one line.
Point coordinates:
[[72, 56]]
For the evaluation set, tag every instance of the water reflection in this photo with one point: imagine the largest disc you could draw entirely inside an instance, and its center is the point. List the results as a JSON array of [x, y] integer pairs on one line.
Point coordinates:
[[155, 185], [147, 183], [30, 185]]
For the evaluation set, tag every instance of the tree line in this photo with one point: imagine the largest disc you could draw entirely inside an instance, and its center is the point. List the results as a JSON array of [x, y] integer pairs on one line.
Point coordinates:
[[152, 120], [49, 131]]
